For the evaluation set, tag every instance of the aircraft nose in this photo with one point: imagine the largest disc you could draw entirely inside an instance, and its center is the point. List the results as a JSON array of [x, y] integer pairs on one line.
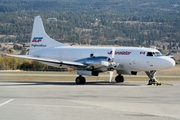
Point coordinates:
[[170, 62]]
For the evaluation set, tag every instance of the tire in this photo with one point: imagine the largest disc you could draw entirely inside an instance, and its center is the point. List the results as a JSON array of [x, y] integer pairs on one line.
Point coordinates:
[[80, 80], [119, 78], [83, 80]]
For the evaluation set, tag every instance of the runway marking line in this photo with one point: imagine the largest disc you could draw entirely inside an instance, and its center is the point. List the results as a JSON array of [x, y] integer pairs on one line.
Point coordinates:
[[6, 102]]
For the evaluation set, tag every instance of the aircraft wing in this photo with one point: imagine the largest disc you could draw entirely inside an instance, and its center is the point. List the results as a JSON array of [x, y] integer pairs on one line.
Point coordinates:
[[50, 61]]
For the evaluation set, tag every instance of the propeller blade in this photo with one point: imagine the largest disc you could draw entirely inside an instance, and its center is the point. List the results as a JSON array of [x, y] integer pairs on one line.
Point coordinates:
[[113, 53], [111, 72], [111, 75]]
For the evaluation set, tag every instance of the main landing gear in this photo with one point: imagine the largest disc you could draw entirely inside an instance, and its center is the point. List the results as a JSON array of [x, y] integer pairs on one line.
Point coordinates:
[[119, 78], [151, 75], [80, 80]]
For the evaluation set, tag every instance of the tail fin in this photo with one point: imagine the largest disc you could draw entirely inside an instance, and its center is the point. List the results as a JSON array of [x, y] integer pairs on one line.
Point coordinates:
[[39, 38]]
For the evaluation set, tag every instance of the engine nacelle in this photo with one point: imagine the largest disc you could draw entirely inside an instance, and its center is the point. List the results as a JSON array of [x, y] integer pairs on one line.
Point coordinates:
[[87, 73], [96, 62]]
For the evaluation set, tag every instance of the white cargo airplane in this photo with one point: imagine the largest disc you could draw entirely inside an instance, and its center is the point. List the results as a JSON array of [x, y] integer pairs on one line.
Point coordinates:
[[90, 61]]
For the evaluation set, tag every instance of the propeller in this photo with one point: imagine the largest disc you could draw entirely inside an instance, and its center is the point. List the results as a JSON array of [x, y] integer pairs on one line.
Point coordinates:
[[112, 62]]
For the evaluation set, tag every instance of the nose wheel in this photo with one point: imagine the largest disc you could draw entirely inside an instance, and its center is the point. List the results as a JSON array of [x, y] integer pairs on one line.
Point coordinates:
[[153, 80]]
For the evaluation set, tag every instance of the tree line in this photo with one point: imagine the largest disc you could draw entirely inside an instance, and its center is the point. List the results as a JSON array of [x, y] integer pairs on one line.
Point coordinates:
[[120, 22], [93, 22], [9, 63]]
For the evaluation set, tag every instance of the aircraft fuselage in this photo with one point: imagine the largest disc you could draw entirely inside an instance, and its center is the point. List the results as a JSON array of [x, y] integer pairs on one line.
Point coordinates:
[[131, 58]]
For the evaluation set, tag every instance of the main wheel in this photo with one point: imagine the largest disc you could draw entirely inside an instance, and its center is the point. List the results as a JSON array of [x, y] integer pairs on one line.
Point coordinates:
[[119, 78], [83, 80], [80, 80]]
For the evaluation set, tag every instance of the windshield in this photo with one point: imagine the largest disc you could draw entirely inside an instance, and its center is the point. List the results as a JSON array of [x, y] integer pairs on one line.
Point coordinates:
[[157, 54]]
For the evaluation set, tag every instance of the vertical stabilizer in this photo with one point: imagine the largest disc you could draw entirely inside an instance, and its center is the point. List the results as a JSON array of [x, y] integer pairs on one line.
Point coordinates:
[[39, 38]]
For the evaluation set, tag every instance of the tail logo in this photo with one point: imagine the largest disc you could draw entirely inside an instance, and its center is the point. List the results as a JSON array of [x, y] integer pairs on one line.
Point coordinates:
[[37, 39]]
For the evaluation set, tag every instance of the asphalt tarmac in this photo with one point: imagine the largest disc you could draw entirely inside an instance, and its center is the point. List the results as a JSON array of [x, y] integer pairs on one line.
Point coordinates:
[[131, 100]]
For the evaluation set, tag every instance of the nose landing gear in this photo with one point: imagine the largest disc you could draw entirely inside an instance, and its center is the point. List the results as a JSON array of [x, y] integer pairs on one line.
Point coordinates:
[[153, 80]]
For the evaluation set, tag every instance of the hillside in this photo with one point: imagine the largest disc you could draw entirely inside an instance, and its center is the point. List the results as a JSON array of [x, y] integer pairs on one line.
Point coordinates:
[[103, 22]]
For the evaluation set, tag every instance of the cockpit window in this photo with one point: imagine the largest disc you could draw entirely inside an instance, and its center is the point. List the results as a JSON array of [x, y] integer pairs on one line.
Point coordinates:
[[154, 54], [149, 54]]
